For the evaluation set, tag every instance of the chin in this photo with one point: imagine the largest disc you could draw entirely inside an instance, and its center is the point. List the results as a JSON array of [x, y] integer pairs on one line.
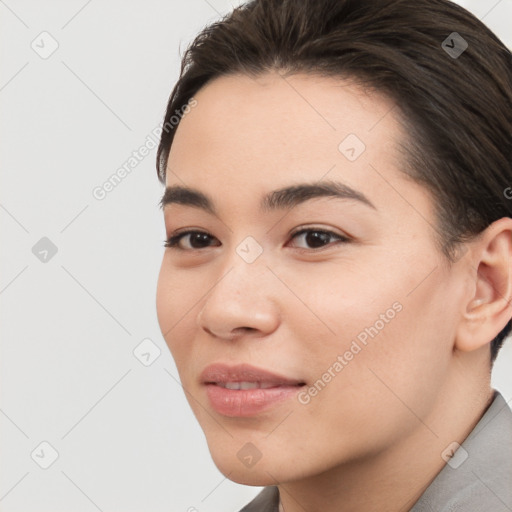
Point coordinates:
[[249, 476], [266, 471]]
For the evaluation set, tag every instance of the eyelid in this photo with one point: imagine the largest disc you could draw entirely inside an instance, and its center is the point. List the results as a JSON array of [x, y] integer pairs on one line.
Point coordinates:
[[306, 228]]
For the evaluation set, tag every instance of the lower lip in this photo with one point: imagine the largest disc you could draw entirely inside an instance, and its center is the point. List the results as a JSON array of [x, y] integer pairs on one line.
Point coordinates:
[[247, 402]]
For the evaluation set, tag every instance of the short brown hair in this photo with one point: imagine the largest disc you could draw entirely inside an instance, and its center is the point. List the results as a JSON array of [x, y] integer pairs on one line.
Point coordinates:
[[458, 107]]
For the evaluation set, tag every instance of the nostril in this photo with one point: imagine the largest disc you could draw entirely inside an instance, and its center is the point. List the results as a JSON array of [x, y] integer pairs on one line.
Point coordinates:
[[242, 330]]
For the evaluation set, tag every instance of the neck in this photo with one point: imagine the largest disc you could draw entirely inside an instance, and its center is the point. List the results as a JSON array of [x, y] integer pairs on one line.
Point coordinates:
[[394, 480]]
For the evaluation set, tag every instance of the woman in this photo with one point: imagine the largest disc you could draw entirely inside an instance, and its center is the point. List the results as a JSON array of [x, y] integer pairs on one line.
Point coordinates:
[[336, 282]]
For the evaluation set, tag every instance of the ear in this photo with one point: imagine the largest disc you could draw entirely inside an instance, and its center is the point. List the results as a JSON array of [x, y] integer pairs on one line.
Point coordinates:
[[488, 307]]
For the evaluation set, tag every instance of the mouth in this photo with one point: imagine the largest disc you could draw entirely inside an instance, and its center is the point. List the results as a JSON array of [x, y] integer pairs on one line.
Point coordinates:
[[244, 390]]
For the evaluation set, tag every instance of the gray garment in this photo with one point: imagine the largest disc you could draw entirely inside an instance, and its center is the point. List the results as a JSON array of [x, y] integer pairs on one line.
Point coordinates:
[[478, 477]]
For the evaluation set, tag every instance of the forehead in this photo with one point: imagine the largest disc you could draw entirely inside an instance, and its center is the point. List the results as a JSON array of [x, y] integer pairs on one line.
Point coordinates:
[[249, 135], [274, 121], [331, 102]]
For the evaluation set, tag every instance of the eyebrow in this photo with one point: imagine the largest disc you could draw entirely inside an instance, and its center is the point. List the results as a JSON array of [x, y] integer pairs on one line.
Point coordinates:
[[287, 197]]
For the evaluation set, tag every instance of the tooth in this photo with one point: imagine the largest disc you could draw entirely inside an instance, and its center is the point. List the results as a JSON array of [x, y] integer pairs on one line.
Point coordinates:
[[248, 385]]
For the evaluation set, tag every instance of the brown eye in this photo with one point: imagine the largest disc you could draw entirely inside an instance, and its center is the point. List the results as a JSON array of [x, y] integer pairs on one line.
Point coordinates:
[[189, 240], [316, 238]]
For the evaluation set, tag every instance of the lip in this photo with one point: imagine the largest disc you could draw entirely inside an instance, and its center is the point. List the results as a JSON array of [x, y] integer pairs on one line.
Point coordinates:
[[246, 402]]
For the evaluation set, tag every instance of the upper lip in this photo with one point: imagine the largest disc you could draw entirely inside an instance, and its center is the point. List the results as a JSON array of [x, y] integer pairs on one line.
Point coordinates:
[[222, 373]]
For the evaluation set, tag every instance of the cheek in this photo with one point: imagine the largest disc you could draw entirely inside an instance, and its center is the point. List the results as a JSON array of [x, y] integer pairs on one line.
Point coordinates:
[[340, 307], [165, 300], [175, 299], [388, 355]]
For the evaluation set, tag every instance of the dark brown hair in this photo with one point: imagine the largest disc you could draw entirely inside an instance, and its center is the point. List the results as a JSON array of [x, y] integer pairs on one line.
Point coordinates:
[[455, 101]]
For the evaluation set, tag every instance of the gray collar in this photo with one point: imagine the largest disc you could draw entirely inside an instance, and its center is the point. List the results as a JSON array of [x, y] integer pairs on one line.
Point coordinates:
[[479, 475]]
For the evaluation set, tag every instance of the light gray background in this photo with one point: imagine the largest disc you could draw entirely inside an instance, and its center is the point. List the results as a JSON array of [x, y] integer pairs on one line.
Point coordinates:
[[125, 437]]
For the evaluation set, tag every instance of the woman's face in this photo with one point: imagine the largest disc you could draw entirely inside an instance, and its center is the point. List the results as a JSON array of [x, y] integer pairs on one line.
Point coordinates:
[[339, 293]]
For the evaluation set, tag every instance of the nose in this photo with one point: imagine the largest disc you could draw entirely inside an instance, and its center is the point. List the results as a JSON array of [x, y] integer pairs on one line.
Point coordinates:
[[241, 302]]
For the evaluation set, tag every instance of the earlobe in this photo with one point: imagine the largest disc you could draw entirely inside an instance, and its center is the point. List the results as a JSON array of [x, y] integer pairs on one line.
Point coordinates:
[[488, 309]]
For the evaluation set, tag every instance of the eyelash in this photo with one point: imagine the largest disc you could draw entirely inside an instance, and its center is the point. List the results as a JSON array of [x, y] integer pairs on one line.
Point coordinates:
[[173, 241]]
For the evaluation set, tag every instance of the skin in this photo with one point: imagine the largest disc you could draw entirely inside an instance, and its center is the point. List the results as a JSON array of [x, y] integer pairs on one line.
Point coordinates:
[[372, 438]]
